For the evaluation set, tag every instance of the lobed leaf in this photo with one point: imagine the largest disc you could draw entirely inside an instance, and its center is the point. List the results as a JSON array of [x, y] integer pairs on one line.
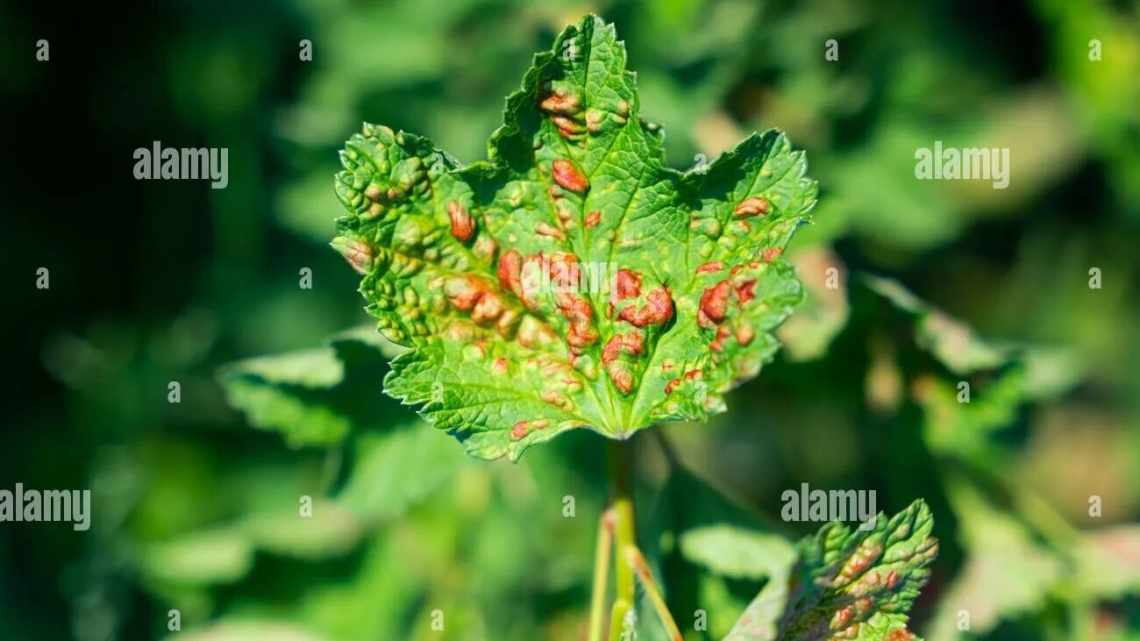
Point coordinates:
[[571, 279], [848, 583]]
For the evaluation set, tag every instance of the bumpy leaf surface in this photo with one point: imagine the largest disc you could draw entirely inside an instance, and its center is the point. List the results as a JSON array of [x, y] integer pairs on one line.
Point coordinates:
[[572, 279], [849, 583]]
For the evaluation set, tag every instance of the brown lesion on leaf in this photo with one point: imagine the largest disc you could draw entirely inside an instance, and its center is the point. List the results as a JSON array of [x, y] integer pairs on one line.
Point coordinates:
[[721, 305], [521, 276], [500, 366], [535, 334], [549, 231], [754, 206], [564, 108], [462, 223], [863, 558], [620, 370], [482, 302], [714, 304], [358, 253], [690, 375], [657, 310], [569, 177], [711, 267], [557, 399], [520, 429], [485, 248], [579, 316]]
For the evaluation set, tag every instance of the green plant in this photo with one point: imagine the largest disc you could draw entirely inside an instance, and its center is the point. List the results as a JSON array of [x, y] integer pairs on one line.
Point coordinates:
[[573, 280]]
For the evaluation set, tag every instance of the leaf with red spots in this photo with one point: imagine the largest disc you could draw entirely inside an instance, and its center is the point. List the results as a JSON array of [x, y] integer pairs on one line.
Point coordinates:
[[849, 583], [562, 283]]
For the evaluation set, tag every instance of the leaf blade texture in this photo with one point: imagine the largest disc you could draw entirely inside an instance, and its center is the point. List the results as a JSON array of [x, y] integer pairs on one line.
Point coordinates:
[[849, 583], [572, 279]]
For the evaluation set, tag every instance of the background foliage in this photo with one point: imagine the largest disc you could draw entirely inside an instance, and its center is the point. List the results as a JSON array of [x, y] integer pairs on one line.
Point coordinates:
[[195, 503]]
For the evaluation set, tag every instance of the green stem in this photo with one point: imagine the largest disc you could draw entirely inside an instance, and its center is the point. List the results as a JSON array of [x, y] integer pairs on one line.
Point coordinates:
[[621, 507], [636, 560], [601, 574]]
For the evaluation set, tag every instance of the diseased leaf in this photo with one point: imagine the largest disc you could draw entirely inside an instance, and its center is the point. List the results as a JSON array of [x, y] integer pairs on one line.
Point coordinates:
[[572, 279], [849, 583]]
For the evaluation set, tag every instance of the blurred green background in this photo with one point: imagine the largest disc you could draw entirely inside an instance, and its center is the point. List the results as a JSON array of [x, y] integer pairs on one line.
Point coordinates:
[[158, 281]]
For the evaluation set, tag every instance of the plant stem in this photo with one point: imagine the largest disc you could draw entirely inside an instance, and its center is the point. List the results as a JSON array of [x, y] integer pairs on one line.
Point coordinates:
[[601, 574], [636, 561], [621, 508]]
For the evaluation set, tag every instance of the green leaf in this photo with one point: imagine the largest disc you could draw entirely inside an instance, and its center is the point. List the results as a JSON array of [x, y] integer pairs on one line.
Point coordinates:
[[713, 553], [737, 552], [330, 532], [309, 395], [807, 335], [952, 426], [952, 342], [220, 555], [398, 469], [572, 279], [1006, 573], [244, 630], [1108, 562], [849, 584]]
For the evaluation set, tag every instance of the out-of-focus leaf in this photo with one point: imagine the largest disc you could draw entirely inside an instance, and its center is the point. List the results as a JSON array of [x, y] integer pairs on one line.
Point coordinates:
[[960, 415], [221, 555], [283, 408], [1050, 372], [952, 342], [307, 395], [808, 333], [313, 368], [330, 531], [1108, 562], [1006, 573], [736, 552], [714, 552], [247, 631], [955, 423], [397, 469]]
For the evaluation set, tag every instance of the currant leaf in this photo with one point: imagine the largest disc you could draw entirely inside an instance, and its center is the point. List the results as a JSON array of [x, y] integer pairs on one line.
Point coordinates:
[[571, 279], [849, 583]]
